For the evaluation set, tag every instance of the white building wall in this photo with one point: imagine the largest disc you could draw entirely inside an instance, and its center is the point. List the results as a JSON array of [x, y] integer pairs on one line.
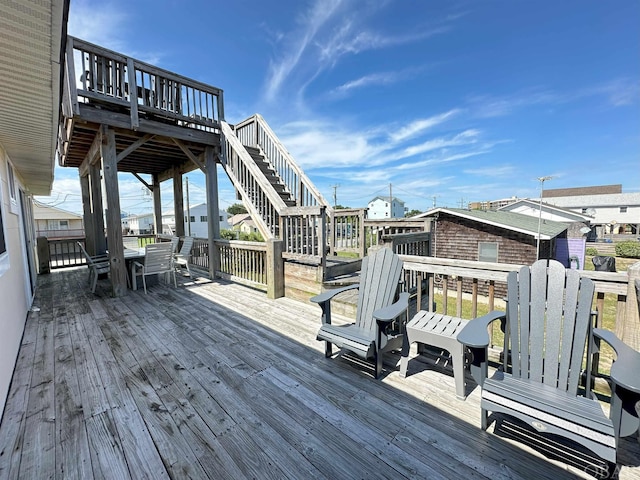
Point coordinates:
[[381, 208], [611, 210], [200, 223], [14, 283]]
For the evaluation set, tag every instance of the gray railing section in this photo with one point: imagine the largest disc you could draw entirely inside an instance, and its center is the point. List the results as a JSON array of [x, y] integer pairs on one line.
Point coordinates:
[[97, 74]]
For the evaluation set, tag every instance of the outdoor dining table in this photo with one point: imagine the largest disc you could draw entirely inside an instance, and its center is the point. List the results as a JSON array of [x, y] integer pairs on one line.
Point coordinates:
[[131, 255]]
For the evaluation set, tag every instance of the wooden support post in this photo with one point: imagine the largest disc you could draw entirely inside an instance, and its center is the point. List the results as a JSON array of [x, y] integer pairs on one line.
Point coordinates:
[[178, 202], [213, 211], [89, 230], [362, 252], [157, 205], [117, 267], [275, 269], [97, 211]]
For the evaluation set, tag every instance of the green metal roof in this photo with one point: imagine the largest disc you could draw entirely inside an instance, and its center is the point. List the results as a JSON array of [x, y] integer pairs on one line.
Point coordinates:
[[509, 220]]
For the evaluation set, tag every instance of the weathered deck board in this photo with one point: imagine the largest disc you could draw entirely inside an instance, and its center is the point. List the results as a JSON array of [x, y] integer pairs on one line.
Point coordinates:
[[213, 380]]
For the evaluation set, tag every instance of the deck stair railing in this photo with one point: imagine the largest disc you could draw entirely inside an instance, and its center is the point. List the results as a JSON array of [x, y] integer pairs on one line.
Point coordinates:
[[255, 132], [280, 198], [258, 194]]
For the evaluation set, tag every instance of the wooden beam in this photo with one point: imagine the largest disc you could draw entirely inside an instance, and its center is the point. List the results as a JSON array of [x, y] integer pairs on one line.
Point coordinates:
[[157, 206], [142, 180], [134, 146], [133, 95], [190, 155], [182, 167], [89, 230], [178, 202], [117, 266], [97, 211], [213, 211], [93, 155], [120, 120]]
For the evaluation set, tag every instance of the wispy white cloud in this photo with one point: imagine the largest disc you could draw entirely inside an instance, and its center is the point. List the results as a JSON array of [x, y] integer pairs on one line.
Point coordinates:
[[327, 32], [492, 171], [619, 92], [418, 126], [466, 137], [349, 41], [488, 106], [310, 23], [440, 159], [373, 79], [99, 23]]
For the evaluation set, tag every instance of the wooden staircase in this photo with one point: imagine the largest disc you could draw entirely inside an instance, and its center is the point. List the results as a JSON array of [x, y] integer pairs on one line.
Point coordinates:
[[272, 176]]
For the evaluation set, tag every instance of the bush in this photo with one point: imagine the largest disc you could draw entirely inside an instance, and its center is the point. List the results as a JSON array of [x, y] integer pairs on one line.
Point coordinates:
[[592, 251], [228, 234], [628, 249]]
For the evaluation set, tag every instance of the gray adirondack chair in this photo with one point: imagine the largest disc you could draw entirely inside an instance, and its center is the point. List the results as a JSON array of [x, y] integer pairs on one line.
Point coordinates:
[[97, 266], [371, 334], [547, 328], [158, 258], [181, 259]]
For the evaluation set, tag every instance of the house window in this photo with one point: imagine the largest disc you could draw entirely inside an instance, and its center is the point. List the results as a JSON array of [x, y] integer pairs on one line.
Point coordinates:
[[193, 219], [13, 195], [4, 255], [623, 209], [221, 218], [584, 210], [64, 224], [488, 252], [203, 218]]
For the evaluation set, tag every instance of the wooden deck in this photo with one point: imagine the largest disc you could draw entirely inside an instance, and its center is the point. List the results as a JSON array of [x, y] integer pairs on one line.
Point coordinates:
[[213, 380]]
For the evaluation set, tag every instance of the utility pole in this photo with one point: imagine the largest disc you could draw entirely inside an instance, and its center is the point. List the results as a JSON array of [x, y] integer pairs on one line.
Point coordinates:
[[541, 180], [335, 195], [188, 208], [390, 201], [434, 201]]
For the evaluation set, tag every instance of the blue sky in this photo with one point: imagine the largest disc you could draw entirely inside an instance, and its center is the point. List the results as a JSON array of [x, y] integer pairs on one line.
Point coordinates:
[[449, 102]]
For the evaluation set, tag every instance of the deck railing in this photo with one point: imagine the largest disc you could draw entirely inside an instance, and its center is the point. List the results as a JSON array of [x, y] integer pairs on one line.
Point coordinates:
[[255, 132], [262, 201], [304, 233], [96, 74], [347, 231], [468, 289], [243, 262], [65, 252]]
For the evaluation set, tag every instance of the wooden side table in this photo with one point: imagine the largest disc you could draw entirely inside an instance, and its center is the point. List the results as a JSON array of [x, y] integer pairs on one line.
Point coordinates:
[[440, 331]]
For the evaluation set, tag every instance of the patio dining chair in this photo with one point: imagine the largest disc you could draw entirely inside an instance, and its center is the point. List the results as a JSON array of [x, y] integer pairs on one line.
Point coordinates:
[[547, 328], [182, 258], [375, 330], [97, 266], [158, 258]]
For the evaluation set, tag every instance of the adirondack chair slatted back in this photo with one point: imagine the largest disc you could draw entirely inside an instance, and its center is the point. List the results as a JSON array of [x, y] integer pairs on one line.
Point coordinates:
[[379, 279], [549, 312], [158, 258]]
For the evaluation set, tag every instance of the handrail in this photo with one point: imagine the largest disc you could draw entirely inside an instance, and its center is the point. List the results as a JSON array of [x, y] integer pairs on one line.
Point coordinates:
[[255, 132], [98, 74], [262, 201]]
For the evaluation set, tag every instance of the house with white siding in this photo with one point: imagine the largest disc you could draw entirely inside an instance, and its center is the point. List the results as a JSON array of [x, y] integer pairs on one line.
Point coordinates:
[[32, 48], [385, 207]]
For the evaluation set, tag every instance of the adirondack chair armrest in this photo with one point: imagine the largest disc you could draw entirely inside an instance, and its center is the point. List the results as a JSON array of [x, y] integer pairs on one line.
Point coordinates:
[[474, 334], [329, 294], [624, 370], [138, 264], [390, 313]]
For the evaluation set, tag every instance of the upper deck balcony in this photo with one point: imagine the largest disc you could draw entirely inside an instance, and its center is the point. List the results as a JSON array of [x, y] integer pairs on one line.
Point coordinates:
[[102, 87]]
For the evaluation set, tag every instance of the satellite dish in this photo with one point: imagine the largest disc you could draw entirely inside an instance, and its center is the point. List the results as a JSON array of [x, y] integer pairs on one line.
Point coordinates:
[[613, 222], [591, 211], [585, 230]]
